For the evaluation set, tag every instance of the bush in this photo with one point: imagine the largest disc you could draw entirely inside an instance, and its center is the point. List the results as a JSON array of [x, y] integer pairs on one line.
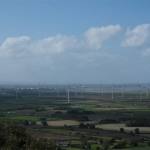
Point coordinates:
[[137, 131], [120, 144], [134, 143], [13, 137], [122, 130]]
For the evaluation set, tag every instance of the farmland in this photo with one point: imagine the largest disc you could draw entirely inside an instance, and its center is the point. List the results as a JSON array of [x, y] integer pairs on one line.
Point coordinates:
[[87, 119]]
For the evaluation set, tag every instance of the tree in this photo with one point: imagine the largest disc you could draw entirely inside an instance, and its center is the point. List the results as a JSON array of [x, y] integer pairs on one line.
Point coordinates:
[[122, 130], [137, 131]]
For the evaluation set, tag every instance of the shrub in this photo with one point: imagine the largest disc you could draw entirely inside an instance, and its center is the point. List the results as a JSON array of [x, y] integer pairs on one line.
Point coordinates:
[[13, 137]]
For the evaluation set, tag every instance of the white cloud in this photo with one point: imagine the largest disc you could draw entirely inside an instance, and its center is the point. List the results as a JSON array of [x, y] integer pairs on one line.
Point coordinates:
[[15, 46], [95, 37], [25, 46], [54, 45], [137, 36], [92, 39]]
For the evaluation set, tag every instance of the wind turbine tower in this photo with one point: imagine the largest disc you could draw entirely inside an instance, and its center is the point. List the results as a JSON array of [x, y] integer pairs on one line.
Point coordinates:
[[112, 96], [147, 92], [102, 91], [16, 94], [140, 93], [68, 96], [122, 92]]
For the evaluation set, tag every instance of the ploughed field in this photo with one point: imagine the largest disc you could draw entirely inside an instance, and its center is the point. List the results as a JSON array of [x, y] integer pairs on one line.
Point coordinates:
[[90, 120]]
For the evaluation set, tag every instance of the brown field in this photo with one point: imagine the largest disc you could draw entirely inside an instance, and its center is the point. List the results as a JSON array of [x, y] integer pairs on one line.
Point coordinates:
[[60, 123], [117, 126]]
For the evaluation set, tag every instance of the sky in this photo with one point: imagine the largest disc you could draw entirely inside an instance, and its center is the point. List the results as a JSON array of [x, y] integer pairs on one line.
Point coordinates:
[[74, 41]]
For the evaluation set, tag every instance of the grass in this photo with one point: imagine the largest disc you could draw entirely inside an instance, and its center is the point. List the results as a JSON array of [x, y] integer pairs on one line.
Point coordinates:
[[97, 106], [71, 148], [138, 148], [20, 118], [94, 146]]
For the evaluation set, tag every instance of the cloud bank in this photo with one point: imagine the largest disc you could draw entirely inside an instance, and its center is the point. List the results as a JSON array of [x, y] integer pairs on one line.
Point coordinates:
[[92, 56], [92, 39]]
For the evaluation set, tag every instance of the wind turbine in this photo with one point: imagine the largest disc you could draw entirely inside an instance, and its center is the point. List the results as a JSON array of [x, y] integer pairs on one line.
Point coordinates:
[[39, 92], [102, 91], [122, 92], [140, 93], [16, 93], [57, 92], [112, 95], [147, 92], [68, 96]]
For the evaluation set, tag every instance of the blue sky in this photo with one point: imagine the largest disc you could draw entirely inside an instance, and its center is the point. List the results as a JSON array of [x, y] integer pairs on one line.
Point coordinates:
[[40, 18], [74, 41]]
